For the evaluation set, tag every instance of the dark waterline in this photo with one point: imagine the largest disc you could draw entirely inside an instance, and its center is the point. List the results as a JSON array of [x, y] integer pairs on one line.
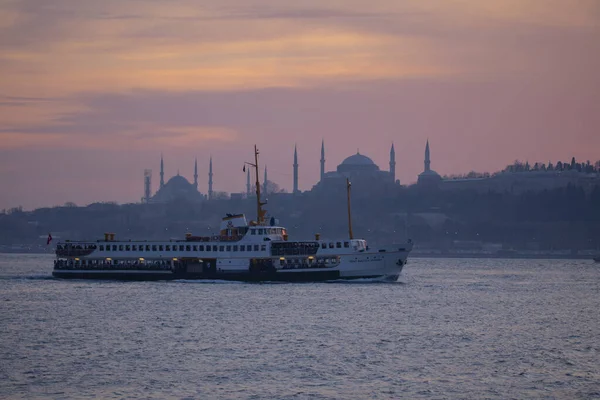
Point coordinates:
[[450, 328]]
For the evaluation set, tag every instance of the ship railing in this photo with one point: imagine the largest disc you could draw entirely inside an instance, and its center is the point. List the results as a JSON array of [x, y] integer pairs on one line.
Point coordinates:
[[293, 252], [215, 238], [308, 263], [233, 238], [149, 265], [75, 251], [198, 239], [76, 245]]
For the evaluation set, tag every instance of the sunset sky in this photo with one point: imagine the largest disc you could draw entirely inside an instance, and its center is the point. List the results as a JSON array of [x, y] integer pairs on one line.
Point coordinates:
[[92, 92]]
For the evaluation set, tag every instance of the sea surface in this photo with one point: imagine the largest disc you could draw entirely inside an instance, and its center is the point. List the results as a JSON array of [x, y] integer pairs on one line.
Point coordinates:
[[448, 329]]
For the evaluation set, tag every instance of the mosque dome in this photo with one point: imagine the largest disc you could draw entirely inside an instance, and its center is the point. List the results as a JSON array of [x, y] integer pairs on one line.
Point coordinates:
[[430, 174], [178, 181], [429, 178], [357, 163], [358, 159], [177, 188]]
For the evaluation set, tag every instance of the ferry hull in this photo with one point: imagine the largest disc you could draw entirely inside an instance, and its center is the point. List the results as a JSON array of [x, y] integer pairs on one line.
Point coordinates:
[[300, 276], [381, 266], [114, 275], [270, 277], [362, 272]]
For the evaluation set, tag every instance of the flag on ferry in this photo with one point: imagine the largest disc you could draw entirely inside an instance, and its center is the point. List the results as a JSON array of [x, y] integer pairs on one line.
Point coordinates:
[[244, 169], [49, 239]]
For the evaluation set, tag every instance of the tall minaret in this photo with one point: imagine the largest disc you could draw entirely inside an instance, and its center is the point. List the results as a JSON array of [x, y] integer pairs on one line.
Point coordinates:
[[162, 172], [427, 159], [210, 180], [322, 159], [248, 186], [265, 183], [295, 191], [196, 173], [393, 163]]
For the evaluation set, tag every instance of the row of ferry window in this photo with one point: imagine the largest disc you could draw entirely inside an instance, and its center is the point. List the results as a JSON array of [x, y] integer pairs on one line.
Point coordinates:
[[332, 245], [310, 261], [267, 231], [168, 247]]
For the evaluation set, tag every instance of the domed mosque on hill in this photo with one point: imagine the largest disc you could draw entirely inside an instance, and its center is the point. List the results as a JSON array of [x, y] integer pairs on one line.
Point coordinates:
[[359, 166], [359, 169], [178, 188]]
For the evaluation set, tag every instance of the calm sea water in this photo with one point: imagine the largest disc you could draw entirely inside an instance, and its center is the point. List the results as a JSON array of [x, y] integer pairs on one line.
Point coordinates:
[[448, 329]]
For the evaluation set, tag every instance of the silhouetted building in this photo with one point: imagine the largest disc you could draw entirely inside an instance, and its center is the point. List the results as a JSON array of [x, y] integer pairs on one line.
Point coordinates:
[[360, 170], [393, 163], [295, 187], [428, 177], [322, 176], [210, 180], [147, 185], [177, 188], [520, 182]]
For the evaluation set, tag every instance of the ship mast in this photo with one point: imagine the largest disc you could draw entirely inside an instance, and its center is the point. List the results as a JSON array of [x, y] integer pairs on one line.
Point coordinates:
[[260, 213], [348, 185]]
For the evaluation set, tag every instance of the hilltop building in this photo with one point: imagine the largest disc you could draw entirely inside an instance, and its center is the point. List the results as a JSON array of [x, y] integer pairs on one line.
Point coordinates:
[[521, 182], [428, 177], [359, 169], [177, 188]]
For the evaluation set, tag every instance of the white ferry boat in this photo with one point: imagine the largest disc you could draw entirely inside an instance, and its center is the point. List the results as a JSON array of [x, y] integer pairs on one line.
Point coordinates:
[[247, 251]]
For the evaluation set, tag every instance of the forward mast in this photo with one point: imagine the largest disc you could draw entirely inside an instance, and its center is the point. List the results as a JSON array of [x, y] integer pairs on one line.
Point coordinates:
[[260, 213]]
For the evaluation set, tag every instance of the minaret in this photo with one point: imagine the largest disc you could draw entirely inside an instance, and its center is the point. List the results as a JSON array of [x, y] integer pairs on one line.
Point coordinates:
[[427, 159], [393, 163], [265, 183], [196, 173], [295, 191], [162, 172], [147, 185], [322, 159], [210, 180], [248, 186]]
